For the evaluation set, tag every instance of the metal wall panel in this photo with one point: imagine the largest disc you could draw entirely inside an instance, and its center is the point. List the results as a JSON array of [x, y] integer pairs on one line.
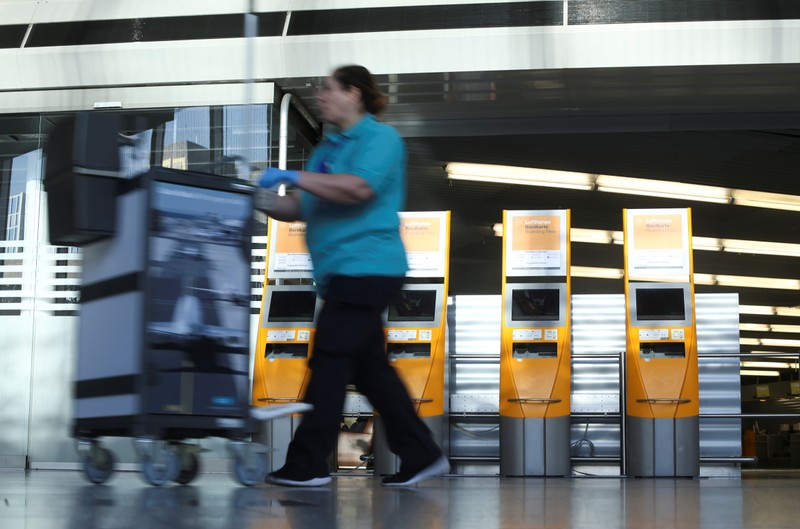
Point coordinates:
[[456, 50], [720, 383], [15, 388], [475, 383], [145, 97], [74, 10], [598, 328]]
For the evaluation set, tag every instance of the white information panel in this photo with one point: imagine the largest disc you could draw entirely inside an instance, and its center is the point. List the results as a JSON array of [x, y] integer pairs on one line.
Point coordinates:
[[288, 253], [424, 235], [658, 243], [281, 336], [536, 243]]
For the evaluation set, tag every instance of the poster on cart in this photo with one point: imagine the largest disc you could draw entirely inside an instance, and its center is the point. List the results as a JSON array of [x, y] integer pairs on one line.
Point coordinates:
[[198, 299]]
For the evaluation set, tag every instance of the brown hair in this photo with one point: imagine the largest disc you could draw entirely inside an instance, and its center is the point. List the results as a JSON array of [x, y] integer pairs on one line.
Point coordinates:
[[353, 75]]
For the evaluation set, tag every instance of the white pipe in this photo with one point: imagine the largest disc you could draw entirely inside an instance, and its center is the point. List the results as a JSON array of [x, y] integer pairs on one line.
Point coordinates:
[[283, 138]]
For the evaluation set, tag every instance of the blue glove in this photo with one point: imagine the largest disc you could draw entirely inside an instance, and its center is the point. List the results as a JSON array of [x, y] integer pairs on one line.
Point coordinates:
[[272, 177]]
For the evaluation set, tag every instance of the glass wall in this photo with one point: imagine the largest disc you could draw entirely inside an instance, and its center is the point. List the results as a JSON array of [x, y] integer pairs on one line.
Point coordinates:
[[39, 283]]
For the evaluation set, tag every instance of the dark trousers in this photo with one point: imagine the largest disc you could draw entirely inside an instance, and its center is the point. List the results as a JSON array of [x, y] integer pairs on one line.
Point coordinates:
[[349, 349]]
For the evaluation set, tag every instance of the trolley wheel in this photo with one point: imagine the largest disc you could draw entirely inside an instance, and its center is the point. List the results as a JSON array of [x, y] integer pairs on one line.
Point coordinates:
[[189, 467], [251, 471], [161, 469], [98, 464]]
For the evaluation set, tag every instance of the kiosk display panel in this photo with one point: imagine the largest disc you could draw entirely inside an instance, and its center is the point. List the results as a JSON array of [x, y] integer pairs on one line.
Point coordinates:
[[290, 306], [535, 304], [660, 304], [417, 306], [413, 305]]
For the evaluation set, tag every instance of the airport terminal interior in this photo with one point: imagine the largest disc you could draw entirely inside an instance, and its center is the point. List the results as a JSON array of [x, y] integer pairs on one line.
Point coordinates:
[[601, 320]]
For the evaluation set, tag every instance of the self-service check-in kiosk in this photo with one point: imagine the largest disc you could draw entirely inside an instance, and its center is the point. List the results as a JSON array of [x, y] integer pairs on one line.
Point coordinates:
[[415, 326], [289, 309], [535, 348], [662, 366]]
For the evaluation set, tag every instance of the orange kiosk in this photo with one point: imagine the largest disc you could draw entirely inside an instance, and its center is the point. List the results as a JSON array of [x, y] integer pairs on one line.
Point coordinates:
[[535, 344], [415, 326], [286, 323], [663, 405]]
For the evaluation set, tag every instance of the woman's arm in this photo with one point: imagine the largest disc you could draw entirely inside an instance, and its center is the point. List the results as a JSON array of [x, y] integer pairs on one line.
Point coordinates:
[[283, 208], [343, 188]]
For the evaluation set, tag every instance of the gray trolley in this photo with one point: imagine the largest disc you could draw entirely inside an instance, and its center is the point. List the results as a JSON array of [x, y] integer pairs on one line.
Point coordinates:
[[163, 348]]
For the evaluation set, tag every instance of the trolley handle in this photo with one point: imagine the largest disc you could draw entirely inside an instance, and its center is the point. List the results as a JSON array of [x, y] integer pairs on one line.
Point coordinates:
[[422, 401], [534, 400], [665, 401], [280, 399]]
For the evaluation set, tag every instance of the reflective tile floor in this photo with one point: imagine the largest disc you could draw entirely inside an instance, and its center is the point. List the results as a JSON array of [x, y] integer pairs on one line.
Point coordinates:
[[62, 499]]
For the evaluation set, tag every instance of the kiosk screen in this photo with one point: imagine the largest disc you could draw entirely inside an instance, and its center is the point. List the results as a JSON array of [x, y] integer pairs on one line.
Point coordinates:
[[288, 305], [535, 304], [413, 305], [653, 304]]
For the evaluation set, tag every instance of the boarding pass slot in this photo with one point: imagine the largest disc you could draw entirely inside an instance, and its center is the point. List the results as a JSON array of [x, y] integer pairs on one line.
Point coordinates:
[[535, 350]]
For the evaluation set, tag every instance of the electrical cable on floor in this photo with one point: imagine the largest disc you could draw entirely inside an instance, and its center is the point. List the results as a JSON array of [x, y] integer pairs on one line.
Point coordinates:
[[584, 473], [475, 434], [364, 460], [583, 441]]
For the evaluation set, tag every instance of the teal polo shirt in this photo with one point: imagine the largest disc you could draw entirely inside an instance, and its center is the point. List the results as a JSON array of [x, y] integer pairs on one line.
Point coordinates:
[[358, 239]]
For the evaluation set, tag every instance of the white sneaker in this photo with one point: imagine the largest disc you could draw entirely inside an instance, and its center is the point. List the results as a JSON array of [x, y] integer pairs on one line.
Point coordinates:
[[267, 413], [438, 468]]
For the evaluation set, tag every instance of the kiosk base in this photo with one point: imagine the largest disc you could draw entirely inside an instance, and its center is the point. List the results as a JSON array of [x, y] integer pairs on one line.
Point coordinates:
[[277, 434], [386, 463], [534, 446], [663, 447]]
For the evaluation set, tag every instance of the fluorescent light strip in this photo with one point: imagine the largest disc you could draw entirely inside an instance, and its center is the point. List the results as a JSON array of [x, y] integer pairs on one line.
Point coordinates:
[[704, 279], [794, 329], [707, 243], [662, 189], [758, 199], [591, 236], [758, 310], [751, 373], [761, 247], [764, 310], [594, 272], [757, 282], [769, 342], [774, 365], [588, 235], [764, 354], [520, 175], [700, 279], [769, 327], [754, 327], [774, 342], [620, 184]]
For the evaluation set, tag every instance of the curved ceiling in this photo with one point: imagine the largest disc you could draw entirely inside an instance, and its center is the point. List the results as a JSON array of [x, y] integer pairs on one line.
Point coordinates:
[[728, 126]]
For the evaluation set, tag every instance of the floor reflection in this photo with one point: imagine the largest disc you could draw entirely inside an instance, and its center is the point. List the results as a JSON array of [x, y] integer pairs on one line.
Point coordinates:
[[62, 500]]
